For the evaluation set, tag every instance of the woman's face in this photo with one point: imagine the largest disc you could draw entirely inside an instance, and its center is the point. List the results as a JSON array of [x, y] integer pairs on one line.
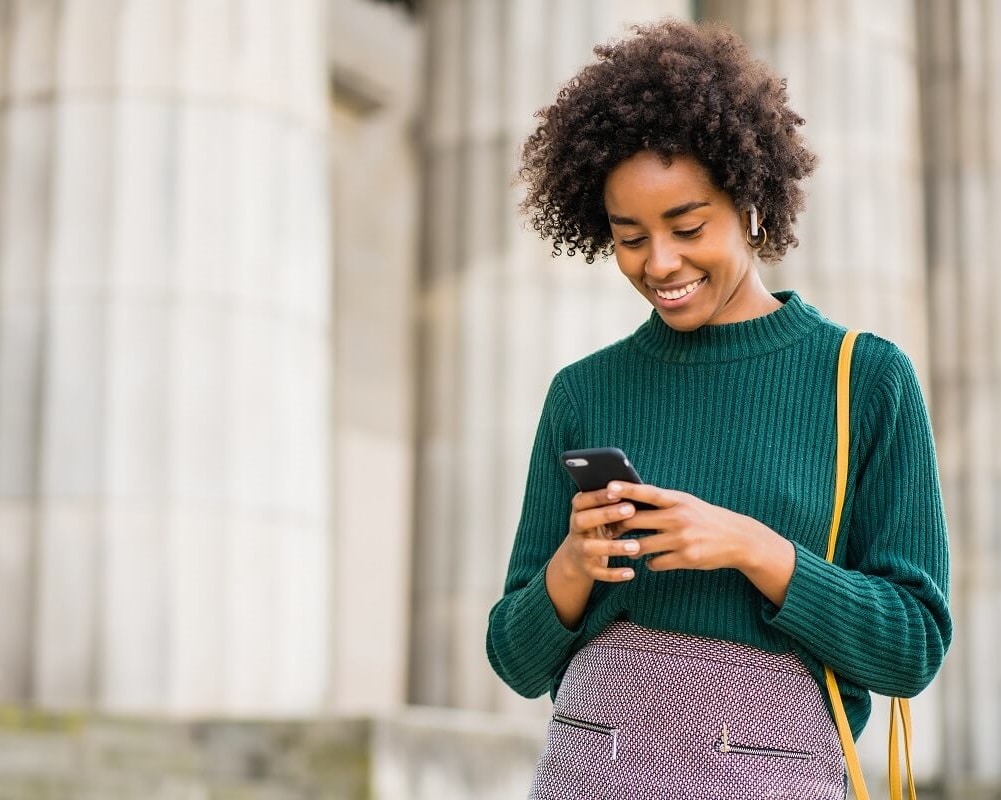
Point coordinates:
[[680, 241]]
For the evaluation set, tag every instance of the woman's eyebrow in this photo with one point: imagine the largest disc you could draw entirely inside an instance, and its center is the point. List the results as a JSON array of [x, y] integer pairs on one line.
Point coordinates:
[[677, 211]]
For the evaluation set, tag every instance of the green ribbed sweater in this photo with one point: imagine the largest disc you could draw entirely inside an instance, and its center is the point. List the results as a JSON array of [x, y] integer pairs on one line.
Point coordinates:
[[742, 416]]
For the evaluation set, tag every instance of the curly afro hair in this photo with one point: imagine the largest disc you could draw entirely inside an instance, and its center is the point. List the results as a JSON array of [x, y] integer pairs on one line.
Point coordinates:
[[673, 88]]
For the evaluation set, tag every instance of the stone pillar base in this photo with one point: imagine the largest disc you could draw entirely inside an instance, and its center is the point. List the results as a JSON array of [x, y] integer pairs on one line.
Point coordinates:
[[412, 754]]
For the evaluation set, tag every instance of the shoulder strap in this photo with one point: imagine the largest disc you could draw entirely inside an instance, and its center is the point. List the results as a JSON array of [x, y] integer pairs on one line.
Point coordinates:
[[842, 409], [840, 483], [897, 705]]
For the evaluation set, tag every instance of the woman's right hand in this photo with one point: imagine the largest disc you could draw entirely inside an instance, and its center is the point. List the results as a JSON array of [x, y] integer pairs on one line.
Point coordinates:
[[590, 542], [582, 557]]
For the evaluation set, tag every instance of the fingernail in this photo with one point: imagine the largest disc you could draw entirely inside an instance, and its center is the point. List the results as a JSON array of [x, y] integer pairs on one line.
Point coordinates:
[[631, 547], [625, 509], [628, 574], [614, 487]]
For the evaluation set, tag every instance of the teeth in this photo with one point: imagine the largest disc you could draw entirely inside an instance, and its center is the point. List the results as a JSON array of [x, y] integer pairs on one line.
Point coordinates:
[[677, 294]]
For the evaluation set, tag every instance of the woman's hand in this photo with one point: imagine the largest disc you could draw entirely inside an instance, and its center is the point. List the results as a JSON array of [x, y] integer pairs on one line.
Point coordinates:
[[690, 533], [593, 536], [583, 556]]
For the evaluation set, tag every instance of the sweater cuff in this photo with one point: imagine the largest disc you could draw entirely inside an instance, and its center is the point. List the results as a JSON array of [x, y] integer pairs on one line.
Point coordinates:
[[807, 600], [538, 593], [544, 631]]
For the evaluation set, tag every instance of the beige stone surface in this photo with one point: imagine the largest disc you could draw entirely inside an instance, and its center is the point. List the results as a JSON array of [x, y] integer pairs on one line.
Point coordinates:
[[959, 69], [376, 64], [17, 574], [166, 356]]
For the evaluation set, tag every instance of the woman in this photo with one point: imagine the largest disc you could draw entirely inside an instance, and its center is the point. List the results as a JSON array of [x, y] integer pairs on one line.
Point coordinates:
[[687, 662]]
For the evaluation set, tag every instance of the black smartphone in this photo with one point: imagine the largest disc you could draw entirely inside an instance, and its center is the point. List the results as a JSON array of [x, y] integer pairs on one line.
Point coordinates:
[[594, 467]]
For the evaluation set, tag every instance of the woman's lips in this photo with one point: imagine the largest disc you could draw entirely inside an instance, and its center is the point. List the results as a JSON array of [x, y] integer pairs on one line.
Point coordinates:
[[677, 296]]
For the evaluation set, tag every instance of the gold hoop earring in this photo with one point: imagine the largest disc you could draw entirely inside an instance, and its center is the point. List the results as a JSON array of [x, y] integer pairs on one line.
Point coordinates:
[[757, 242]]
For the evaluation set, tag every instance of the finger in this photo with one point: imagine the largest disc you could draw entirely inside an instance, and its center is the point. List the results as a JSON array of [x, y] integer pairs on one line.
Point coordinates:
[[607, 548], [665, 562], [655, 543], [647, 493], [644, 529], [655, 520], [612, 574], [591, 518], [599, 497]]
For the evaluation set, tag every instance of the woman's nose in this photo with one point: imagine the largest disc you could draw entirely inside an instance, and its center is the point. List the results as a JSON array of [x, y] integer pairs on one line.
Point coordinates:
[[664, 259]]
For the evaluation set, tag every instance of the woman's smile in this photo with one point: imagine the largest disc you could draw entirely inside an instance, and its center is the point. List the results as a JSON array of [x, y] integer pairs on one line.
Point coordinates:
[[675, 295]]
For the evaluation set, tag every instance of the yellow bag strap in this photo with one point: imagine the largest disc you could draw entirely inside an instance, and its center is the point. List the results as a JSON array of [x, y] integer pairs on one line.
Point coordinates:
[[842, 408], [898, 705], [902, 707]]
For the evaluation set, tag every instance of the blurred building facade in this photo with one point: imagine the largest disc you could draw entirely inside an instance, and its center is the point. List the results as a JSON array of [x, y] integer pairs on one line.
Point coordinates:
[[273, 340]]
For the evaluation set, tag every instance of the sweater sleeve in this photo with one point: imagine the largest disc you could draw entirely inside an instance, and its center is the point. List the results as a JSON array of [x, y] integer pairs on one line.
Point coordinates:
[[527, 644], [879, 616]]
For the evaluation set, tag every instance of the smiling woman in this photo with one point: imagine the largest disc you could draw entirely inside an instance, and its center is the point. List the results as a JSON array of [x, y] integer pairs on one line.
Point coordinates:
[[689, 661]]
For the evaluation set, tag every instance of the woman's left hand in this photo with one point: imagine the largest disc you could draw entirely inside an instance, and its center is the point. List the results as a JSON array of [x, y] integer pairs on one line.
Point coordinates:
[[689, 533]]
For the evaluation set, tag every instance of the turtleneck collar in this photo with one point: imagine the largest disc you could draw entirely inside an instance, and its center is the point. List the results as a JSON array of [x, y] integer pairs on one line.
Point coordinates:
[[731, 342]]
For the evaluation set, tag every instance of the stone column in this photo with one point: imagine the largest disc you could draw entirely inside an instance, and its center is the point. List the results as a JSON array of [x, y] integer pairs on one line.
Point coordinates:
[[853, 75], [165, 355], [499, 316], [376, 68], [961, 76]]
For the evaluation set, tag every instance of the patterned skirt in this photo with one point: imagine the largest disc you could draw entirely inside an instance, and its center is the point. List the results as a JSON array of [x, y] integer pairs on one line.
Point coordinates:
[[651, 715]]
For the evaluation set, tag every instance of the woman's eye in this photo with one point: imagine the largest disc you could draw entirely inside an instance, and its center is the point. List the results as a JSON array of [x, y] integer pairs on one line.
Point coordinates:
[[691, 233], [632, 242]]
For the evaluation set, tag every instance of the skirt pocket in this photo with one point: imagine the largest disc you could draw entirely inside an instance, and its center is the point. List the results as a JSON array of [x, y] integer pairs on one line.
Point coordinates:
[[579, 761], [594, 727], [725, 746]]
